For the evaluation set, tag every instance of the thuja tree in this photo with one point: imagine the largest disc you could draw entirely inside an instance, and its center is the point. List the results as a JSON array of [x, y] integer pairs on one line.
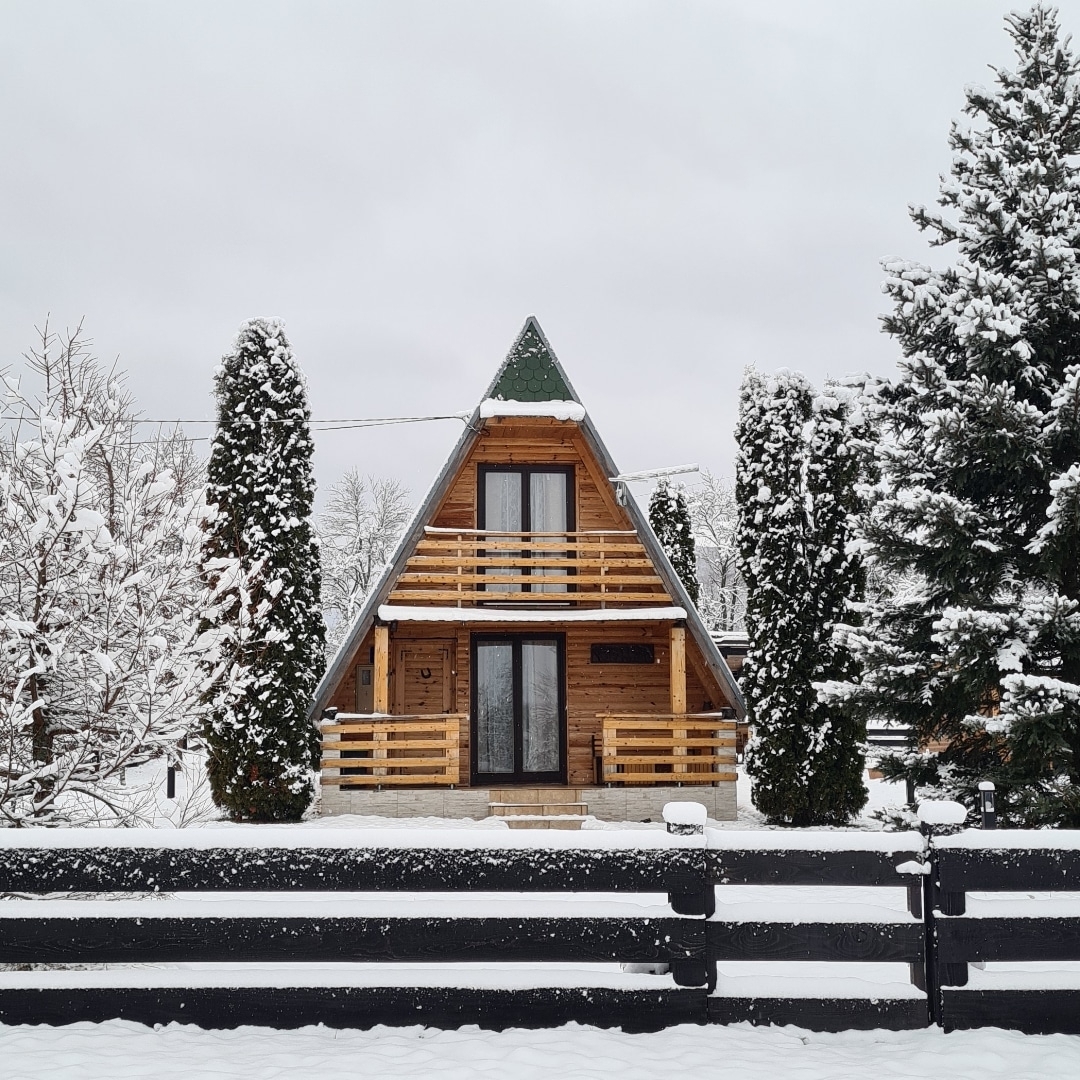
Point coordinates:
[[263, 628], [795, 474], [669, 517], [977, 506]]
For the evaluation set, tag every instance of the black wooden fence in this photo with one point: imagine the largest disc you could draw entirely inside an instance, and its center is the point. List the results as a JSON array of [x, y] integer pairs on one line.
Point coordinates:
[[936, 938]]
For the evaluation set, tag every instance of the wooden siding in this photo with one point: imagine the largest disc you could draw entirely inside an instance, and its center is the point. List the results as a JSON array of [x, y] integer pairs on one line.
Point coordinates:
[[591, 688], [516, 442]]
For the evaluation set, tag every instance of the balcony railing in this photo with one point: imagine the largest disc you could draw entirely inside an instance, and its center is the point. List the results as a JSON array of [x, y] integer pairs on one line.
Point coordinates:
[[470, 566], [378, 751], [666, 748]]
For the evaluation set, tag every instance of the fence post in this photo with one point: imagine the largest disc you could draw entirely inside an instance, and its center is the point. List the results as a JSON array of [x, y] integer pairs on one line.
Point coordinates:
[[694, 896]]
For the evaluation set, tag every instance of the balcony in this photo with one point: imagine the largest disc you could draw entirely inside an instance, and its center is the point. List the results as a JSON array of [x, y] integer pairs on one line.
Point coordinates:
[[470, 567], [668, 748]]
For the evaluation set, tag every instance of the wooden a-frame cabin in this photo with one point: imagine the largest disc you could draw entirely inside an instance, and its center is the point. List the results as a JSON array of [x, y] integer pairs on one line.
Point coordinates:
[[529, 652]]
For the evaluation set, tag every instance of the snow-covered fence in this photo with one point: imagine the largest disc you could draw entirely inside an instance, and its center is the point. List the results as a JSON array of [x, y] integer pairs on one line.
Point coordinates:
[[338, 912], [298, 898], [767, 884], [978, 923]]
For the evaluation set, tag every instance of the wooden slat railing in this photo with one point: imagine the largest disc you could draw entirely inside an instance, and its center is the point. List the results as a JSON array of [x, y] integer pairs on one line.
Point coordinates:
[[667, 748], [470, 566], [378, 751]]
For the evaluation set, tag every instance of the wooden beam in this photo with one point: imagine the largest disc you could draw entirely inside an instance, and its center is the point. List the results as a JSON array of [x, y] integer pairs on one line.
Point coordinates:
[[678, 670], [381, 675], [678, 686]]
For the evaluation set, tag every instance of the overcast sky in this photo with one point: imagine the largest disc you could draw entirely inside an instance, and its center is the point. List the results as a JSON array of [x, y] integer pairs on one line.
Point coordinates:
[[676, 189]]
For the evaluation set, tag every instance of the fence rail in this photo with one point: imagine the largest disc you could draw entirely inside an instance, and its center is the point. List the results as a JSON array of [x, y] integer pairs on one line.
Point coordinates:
[[393, 750], [666, 748], [944, 929], [474, 567]]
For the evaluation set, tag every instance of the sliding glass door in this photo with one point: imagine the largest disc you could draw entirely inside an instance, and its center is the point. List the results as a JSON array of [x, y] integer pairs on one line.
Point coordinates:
[[518, 708], [528, 499]]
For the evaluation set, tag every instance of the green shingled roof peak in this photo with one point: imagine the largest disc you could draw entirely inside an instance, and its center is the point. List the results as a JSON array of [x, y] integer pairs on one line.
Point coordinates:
[[530, 371]]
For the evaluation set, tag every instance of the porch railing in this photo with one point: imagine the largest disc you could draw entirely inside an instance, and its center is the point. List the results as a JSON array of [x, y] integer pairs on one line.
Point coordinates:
[[471, 566], [378, 751], [666, 748]]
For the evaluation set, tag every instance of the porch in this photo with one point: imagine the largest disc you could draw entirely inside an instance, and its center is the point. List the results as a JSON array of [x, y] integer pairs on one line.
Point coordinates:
[[411, 766]]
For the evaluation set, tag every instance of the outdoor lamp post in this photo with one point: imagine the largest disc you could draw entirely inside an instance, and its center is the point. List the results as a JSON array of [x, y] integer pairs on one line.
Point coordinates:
[[986, 804]]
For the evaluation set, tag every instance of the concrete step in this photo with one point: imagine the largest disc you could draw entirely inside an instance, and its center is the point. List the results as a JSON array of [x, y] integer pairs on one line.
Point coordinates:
[[517, 796], [571, 822], [509, 810]]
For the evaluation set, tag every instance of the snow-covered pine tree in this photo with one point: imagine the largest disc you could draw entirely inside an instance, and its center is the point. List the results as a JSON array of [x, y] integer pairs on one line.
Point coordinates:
[[263, 627], [977, 504], [669, 517], [99, 543], [795, 474]]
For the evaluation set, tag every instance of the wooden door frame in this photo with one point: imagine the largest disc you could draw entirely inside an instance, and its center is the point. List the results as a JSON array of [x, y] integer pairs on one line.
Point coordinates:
[[519, 777]]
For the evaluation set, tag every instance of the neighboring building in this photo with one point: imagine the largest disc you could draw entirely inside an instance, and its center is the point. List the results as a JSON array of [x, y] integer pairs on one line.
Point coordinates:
[[529, 651]]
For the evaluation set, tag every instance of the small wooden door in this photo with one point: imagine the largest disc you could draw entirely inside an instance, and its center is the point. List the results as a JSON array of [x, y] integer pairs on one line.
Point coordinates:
[[423, 678]]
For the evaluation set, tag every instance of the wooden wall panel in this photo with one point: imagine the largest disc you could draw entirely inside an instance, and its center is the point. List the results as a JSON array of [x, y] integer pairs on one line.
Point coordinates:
[[516, 443], [591, 688]]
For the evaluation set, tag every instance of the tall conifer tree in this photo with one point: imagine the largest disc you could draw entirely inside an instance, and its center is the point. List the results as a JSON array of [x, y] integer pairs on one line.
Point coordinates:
[[669, 517], [795, 476], [977, 508], [263, 628]]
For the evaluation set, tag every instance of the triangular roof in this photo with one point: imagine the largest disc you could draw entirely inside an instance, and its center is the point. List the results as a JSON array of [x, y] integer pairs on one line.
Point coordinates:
[[530, 372]]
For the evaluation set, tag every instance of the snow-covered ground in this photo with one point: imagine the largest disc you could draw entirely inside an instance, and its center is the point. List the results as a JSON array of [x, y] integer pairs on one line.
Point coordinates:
[[121, 1051]]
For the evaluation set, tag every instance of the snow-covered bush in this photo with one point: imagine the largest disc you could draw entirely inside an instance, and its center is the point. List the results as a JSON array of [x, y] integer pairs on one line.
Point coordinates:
[[262, 629], [99, 543]]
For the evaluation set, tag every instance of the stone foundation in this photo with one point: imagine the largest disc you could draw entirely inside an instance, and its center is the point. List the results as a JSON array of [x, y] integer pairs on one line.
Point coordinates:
[[606, 803]]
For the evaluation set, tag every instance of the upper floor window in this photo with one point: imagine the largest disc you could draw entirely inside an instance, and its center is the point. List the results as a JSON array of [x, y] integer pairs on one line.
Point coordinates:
[[527, 499]]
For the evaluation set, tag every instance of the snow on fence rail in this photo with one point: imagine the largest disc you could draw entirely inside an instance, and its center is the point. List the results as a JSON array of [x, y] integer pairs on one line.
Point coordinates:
[[347, 901]]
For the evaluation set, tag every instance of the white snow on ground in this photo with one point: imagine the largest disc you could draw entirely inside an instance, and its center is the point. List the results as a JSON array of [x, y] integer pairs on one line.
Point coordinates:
[[119, 1051]]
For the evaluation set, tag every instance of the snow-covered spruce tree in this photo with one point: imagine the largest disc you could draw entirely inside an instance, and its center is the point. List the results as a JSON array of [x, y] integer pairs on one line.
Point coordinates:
[[99, 544], [262, 630], [358, 531], [795, 474], [670, 520], [977, 506]]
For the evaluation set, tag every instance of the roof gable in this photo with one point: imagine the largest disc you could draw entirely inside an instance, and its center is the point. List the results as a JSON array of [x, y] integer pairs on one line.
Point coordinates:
[[531, 371], [530, 344]]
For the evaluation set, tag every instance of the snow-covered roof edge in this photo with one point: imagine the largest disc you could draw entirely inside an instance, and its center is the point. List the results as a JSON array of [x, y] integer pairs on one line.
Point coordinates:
[[556, 410], [367, 614], [400, 613]]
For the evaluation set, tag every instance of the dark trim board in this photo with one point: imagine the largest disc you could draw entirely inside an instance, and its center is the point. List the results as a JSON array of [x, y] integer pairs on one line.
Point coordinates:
[[822, 1014], [1034, 1012], [1007, 869], [156, 939], [1007, 940], [847, 942], [367, 869], [766, 866], [358, 1007]]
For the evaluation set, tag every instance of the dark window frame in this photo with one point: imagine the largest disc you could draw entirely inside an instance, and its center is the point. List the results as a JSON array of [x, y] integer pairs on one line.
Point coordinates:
[[519, 776], [646, 655], [525, 471]]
